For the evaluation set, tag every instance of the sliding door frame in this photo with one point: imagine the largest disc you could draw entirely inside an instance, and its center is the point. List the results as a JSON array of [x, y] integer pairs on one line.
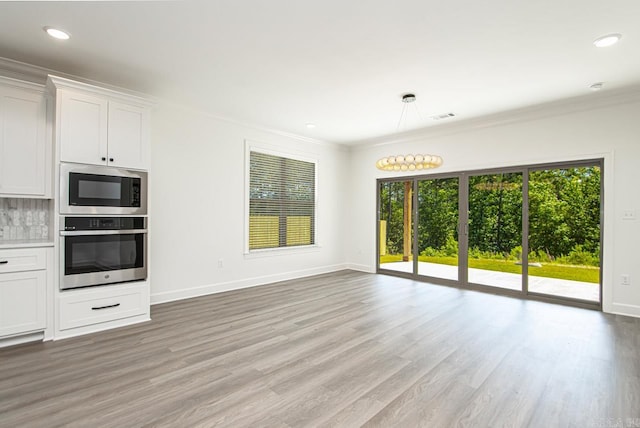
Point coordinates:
[[459, 226], [524, 227], [599, 162], [463, 231]]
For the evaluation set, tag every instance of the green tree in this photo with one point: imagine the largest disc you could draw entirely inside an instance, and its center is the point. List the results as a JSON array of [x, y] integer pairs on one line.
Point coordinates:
[[495, 212], [437, 213], [564, 214], [391, 205], [564, 211]]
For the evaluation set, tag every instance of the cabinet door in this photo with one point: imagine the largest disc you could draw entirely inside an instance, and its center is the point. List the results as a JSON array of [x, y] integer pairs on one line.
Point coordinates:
[[128, 136], [22, 302], [22, 142], [83, 128]]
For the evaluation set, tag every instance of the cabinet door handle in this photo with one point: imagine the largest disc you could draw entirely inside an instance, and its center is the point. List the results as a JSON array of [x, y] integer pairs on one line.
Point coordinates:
[[105, 307], [4, 262], [110, 159], [104, 159]]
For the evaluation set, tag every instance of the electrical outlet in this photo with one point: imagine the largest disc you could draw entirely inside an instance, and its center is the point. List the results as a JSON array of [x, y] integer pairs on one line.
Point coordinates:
[[629, 215], [220, 263], [625, 279]]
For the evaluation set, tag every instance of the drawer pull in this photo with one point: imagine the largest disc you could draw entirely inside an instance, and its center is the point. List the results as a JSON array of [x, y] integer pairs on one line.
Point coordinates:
[[105, 307], [4, 262]]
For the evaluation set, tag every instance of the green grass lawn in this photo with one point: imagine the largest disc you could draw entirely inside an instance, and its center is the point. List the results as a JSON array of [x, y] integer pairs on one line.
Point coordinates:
[[548, 270]]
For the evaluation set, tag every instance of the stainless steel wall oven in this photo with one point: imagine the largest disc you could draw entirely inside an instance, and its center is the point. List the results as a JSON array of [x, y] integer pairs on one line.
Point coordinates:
[[102, 250]]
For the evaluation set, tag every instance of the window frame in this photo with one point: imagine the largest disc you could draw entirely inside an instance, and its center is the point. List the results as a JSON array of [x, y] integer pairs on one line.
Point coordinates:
[[252, 146]]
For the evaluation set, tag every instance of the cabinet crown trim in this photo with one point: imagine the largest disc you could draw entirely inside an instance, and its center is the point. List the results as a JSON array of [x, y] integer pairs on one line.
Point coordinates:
[[55, 83], [21, 84]]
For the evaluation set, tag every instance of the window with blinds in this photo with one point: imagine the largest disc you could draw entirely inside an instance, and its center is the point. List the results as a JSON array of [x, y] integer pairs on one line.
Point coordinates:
[[281, 201]]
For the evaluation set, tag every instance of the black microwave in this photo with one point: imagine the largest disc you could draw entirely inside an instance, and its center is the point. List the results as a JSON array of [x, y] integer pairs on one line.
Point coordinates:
[[88, 189]]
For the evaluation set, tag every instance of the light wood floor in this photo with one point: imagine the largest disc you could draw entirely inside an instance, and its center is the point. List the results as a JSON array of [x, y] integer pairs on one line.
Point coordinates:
[[344, 349]]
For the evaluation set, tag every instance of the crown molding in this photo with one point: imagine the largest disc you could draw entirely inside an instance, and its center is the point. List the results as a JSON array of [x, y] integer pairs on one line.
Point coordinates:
[[39, 75], [22, 84], [593, 101], [256, 127], [23, 71], [55, 83]]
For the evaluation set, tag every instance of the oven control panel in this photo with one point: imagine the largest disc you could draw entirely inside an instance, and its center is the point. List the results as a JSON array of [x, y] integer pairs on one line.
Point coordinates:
[[103, 223]]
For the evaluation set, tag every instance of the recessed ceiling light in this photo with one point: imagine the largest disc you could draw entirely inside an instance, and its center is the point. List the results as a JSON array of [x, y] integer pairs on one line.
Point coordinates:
[[596, 86], [311, 125], [608, 40], [56, 33]]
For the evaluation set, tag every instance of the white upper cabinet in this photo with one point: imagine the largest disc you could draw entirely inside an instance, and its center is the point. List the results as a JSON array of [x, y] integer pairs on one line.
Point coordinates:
[[128, 133], [25, 149], [83, 128], [99, 126]]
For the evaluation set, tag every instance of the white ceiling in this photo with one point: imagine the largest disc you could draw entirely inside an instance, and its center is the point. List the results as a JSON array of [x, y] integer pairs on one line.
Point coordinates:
[[341, 64]]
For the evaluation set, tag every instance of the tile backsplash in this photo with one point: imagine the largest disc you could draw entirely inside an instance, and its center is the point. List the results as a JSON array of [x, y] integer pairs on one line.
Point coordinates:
[[24, 219]]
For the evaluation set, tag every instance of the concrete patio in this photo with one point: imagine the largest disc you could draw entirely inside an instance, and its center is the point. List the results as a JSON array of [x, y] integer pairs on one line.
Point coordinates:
[[551, 286]]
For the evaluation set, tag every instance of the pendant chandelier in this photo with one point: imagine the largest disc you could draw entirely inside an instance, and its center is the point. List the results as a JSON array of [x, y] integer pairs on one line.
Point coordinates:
[[408, 162]]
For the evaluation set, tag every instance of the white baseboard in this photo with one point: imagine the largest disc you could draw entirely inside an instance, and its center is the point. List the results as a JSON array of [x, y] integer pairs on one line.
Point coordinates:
[[26, 338], [361, 268], [624, 309], [203, 290]]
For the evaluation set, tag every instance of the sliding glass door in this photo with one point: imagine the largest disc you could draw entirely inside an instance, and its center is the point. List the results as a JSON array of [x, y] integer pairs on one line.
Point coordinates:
[[495, 230], [395, 226], [437, 225], [564, 232], [531, 231]]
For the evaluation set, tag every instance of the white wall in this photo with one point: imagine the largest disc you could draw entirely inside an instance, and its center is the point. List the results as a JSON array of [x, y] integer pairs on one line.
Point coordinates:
[[596, 128], [197, 188], [197, 217]]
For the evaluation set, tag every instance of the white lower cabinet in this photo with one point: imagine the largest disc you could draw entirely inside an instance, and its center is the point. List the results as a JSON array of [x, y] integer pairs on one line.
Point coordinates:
[[23, 291], [92, 309], [22, 302]]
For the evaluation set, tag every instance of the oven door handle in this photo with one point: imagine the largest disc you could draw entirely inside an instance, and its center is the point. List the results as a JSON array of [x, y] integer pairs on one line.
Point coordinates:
[[102, 232]]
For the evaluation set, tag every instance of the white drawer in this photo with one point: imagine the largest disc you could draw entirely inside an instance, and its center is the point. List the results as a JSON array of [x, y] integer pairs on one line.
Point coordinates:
[[82, 308], [23, 259]]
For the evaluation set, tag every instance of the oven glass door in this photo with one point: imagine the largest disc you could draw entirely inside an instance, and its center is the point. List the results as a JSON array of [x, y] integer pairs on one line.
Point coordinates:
[[103, 258], [93, 190]]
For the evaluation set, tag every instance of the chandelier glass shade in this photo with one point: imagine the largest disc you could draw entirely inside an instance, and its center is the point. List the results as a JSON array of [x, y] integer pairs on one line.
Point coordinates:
[[409, 162]]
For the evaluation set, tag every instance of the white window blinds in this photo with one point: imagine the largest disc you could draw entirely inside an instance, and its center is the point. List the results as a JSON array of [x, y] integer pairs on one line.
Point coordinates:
[[281, 201]]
